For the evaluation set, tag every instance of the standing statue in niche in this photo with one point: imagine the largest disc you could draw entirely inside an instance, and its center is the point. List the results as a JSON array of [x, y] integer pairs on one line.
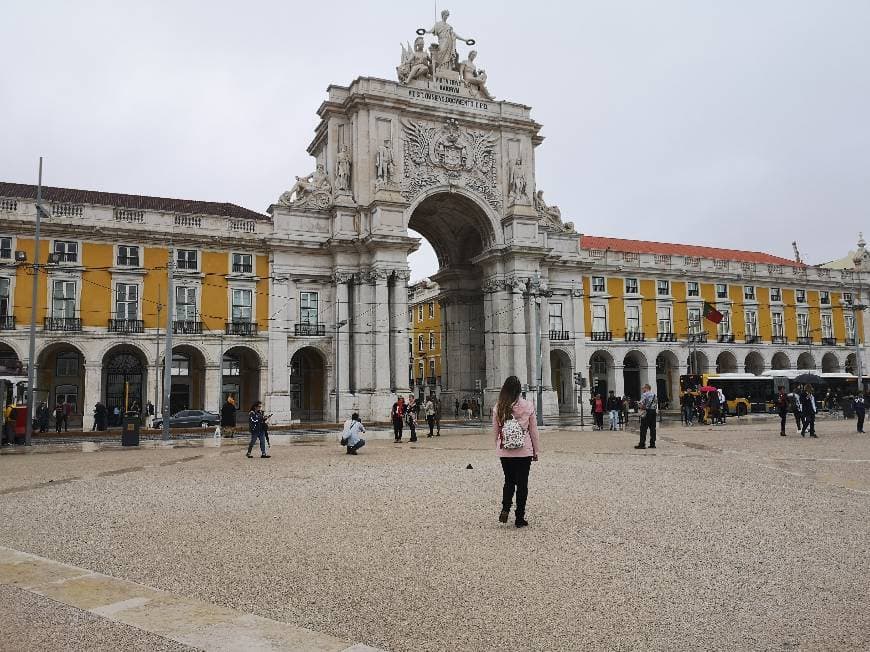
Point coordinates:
[[445, 56], [517, 180], [342, 170], [416, 63], [385, 168], [475, 79], [314, 189]]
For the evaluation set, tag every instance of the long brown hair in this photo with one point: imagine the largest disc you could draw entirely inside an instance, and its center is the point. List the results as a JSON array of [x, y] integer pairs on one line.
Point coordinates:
[[509, 394]]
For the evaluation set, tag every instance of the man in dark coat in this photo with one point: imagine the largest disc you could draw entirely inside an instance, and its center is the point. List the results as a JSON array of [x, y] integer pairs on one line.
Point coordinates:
[[228, 418]]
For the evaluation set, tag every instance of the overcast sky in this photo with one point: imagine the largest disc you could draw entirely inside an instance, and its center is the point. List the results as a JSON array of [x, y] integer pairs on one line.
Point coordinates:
[[739, 123]]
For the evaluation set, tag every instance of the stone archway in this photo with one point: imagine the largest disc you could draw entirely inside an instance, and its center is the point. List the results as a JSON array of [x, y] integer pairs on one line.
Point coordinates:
[[308, 385], [562, 381], [187, 391], [806, 361], [668, 377], [851, 364], [726, 363], [601, 373], [780, 361], [633, 374], [698, 363], [124, 381], [830, 363], [241, 377], [754, 363], [60, 376]]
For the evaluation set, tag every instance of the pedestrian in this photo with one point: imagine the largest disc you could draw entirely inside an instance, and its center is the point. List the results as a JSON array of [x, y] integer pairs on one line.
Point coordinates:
[[808, 411], [860, 408], [456, 408], [397, 415], [266, 418], [598, 412], [613, 406], [42, 416], [228, 418], [782, 408], [68, 410], [464, 408], [723, 406], [430, 415], [257, 425], [350, 437], [58, 417], [648, 409], [116, 416], [9, 424], [101, 416], [794, 402], [412, 410], [516, 438], [438, 406], [623, 413]]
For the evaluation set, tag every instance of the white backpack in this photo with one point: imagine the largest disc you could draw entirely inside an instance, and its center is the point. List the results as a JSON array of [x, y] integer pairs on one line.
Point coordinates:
[[513, 435]]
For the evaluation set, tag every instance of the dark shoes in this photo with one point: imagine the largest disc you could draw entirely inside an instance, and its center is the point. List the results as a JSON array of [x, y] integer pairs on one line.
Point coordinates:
[[639, 446], [503, 516], [652, 445], [814, 436], [782, 434], [521, 522], [248, 455], [265, 456], [351, 452]]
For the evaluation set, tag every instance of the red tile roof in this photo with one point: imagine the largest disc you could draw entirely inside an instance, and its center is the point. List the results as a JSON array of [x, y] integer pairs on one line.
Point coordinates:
[[665, 248], [136, 202]]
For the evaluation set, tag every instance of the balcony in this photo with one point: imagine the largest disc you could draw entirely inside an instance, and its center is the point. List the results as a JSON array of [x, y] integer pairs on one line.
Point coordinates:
[[67, 324], [829, 341], [805, 341], [666, 337], [753, 339], [242, 268], [850, 341], [779, 339], [602, 336], [725, 338], [309, 330], [698, 338], [187, 327], [67, 256], [243, 328], [126, 326], [560, 336], [7, 323], [635, 336]]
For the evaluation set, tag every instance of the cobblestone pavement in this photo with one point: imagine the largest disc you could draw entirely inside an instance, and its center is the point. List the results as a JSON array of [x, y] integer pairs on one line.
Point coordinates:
[[727, 537]]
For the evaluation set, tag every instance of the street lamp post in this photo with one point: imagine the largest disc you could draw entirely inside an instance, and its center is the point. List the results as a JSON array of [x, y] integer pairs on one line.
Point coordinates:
[[31, 366]]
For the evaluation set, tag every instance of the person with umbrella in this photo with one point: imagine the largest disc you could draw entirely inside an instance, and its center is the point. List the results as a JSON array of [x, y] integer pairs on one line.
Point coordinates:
[[808, 411], [782, 408], [858, 403], [794, 401]]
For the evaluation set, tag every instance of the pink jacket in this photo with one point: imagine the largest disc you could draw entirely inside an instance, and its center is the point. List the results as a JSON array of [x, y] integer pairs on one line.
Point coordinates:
[[524, 412]]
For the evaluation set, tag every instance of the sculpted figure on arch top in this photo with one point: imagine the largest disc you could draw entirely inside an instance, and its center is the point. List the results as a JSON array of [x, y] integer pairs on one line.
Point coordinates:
[[446, 56]]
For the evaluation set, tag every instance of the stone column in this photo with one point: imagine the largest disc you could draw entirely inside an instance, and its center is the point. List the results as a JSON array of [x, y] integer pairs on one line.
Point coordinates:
[[516, 325], [92, 393], [275, 381], [399, 318], [618, 380], [544, 330], [446, 345], [381, 333], [362, 322], [341, 279], [210, 397]]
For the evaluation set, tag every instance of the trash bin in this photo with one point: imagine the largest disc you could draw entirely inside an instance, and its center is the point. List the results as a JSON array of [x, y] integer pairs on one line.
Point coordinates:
[[130, 429]]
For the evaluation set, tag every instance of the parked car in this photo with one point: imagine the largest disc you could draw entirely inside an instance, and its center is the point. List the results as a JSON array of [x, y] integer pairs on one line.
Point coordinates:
[[190, 419]]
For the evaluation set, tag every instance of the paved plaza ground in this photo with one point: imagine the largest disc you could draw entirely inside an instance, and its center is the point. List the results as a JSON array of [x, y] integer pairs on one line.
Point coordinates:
[[722, 538]]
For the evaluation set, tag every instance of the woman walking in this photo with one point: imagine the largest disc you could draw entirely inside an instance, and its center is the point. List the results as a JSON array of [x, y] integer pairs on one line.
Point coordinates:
[[257, 423], [516, 439], [397, 414], [412, 412]]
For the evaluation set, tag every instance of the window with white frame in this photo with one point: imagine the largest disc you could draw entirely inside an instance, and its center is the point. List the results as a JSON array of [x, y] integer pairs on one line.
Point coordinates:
[[6, 248], [242, 308], [421, 366], [431, 310], [800, 296], [721, 291], [749, 292], [827, 326], [128, 256], [751, 322], [695, 320], [67, 364], [126, 301], [663, 288], [420, 312], [824, 297], [775, 294], [431, 341], [803, 324], [724, 326], [598, 284], [631, 286], [632, 319], [556, 323], [421, 343], [693, 289], [187, 259], [180, 365], [664, 319], [243, 263], [431, 367], [185, 303], [232, 366], [66, 250], [850, 326], [5, 306], [63, 299], [599, 318], [776, 322], [309, 307]]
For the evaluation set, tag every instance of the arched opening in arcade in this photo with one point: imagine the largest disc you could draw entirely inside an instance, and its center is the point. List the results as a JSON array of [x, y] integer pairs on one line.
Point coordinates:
[[806, 361], [754, 363], [459, 230], [124, 381], [698, 363], [308, 384], [726, 363], [667, 377], [601, 373], [241, 378], [633, 374], [60, 379], [780, 361], [830, 363], [13, 372], [851, 365], [562, 380], [187, 391]]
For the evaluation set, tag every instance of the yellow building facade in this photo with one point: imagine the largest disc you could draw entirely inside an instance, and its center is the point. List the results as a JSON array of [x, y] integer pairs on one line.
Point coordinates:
[[425, 341]]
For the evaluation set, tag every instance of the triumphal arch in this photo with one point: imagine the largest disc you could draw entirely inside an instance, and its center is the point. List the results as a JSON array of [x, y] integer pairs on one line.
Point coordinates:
[[433, 151]]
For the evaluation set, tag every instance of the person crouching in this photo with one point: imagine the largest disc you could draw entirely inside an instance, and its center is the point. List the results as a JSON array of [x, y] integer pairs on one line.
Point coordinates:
[[351, 435]]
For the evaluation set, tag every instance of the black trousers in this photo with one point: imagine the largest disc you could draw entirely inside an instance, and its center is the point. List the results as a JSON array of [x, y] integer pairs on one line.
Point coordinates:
[[860, 415], [809, 422], [599, 419], [516, 476], [397, 428], [356, 446], [782, 417], [648, 422], [412, 424], [798, 419], [258, 435], [430, 419]]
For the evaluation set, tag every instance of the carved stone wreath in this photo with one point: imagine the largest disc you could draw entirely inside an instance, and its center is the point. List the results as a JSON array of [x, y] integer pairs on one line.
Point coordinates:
[[449, 155]]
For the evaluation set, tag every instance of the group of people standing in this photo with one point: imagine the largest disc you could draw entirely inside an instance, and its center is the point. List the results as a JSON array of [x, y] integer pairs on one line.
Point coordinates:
[[408, 413], [470, 408], [703, 407], [616, 407], [801, 402]]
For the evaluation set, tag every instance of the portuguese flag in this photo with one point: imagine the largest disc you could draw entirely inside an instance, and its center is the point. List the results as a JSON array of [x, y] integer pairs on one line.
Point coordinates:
[[711, 313]]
